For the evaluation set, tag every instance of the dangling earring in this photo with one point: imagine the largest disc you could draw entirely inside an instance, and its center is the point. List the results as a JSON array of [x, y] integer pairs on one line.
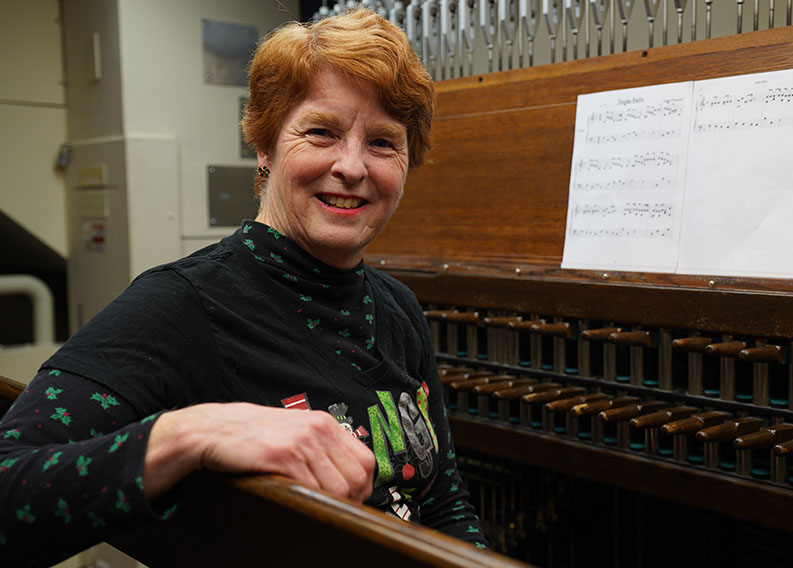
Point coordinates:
[[263, 172]]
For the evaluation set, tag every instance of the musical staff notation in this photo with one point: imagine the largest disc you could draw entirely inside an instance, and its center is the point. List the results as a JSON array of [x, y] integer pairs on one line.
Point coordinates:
[[645, 170], [631, 120], [635, 219], [752, 110]]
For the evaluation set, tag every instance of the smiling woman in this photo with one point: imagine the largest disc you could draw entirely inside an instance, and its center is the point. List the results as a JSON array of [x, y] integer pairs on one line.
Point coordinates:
[[206, 362], [337, 167]]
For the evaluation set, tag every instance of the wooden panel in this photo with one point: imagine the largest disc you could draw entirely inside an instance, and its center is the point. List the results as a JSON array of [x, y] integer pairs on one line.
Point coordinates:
[[493, 196], [230, 520], [750, 500], [707, 310]]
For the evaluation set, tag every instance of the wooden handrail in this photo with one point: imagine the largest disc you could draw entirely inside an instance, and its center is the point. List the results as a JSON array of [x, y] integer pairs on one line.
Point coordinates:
[[11, 389], [254, 520], [251, 520]]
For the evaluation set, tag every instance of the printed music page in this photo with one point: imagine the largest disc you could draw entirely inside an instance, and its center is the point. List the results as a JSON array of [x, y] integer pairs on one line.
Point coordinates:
[[738, 217], [627, 179]]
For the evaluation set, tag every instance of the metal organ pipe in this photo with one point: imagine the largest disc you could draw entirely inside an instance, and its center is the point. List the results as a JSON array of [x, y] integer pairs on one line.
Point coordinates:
[[529, 19], [598, 10], [651, 6], [551, 13], [574, 12], [508, 26], [626, 7], [488, 25], [466, 28], [449, 35]]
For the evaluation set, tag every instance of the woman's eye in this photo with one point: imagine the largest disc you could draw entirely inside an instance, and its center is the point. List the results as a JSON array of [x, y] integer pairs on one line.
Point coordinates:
[[319, 132], [382, 143]]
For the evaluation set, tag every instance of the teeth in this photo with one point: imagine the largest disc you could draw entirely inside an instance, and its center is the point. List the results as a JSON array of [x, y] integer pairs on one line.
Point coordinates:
[[342, 202]]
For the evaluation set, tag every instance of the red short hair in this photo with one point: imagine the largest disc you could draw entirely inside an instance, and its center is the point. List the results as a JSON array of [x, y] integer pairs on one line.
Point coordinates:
[[359, 43]]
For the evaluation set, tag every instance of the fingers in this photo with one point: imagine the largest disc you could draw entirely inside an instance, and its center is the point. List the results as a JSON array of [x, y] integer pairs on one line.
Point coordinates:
[[340, 464], [309, 447]]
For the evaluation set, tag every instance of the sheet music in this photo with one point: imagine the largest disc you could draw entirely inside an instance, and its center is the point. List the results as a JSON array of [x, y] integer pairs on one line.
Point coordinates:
[[694, 178], [627, 179], [738, 217]]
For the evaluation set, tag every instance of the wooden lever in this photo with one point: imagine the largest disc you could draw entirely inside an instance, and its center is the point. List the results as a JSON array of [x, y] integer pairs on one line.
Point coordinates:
[[629, 411], [553, 394], [565, 404], [501, 321], [445, 372], [599, 334], [519, 391], [469, 384], [694, 423], [462, 317], [467, 375], [661, 417], [765, 437], [638, 338], [594, 406], [437, 315], [783, 449], [558, 329], [500, 382], [728, 349], [523, 325], [764, 354], [691, 344], [730, 429]]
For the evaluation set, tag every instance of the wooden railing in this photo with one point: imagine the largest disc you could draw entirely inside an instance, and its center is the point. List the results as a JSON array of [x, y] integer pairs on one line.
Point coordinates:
[[268, 520]]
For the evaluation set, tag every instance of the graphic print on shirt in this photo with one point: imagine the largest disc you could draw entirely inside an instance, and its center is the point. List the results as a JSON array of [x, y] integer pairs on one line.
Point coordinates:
[[298, 402], [398, 504], [339, 412], [405, 419]]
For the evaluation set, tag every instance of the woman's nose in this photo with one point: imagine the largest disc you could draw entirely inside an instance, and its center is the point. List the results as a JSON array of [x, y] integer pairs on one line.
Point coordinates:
[[349, 164]]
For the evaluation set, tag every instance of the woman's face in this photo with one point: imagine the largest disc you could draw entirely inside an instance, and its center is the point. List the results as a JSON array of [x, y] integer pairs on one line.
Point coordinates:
[[337, 170]]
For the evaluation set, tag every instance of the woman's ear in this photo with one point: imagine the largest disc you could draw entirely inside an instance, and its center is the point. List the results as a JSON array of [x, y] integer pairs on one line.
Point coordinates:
[[262, 159]]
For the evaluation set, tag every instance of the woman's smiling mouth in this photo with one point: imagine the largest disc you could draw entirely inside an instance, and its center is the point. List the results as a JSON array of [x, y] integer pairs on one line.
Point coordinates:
[[340, 201]]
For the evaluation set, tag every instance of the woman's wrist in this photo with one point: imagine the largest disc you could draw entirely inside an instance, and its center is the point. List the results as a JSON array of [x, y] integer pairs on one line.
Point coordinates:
[[174, 450]]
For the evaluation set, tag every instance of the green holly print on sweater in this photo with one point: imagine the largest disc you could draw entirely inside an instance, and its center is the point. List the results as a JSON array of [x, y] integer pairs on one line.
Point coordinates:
[[55, 372], [63, 511], [105, 400], [7, 463], [61, 415], [52, 460], [118, 441], [249, 243], [96, 520], [312, 324], [25, 516], [82, 465], [15, 434], [52, 393], [123, 502]]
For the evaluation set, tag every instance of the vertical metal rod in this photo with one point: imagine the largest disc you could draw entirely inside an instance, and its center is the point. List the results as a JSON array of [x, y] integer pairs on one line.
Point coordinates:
[[707, 17], [694, 20], [789, 15], [613, 25], [739, 25], [665, 22], [771, 13], [564, 33], [679, 26], [756, 15], [587, 7]]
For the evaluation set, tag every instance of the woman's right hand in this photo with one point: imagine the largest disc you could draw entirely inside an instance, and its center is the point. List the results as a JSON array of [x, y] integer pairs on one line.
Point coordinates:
[[307, 446]]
